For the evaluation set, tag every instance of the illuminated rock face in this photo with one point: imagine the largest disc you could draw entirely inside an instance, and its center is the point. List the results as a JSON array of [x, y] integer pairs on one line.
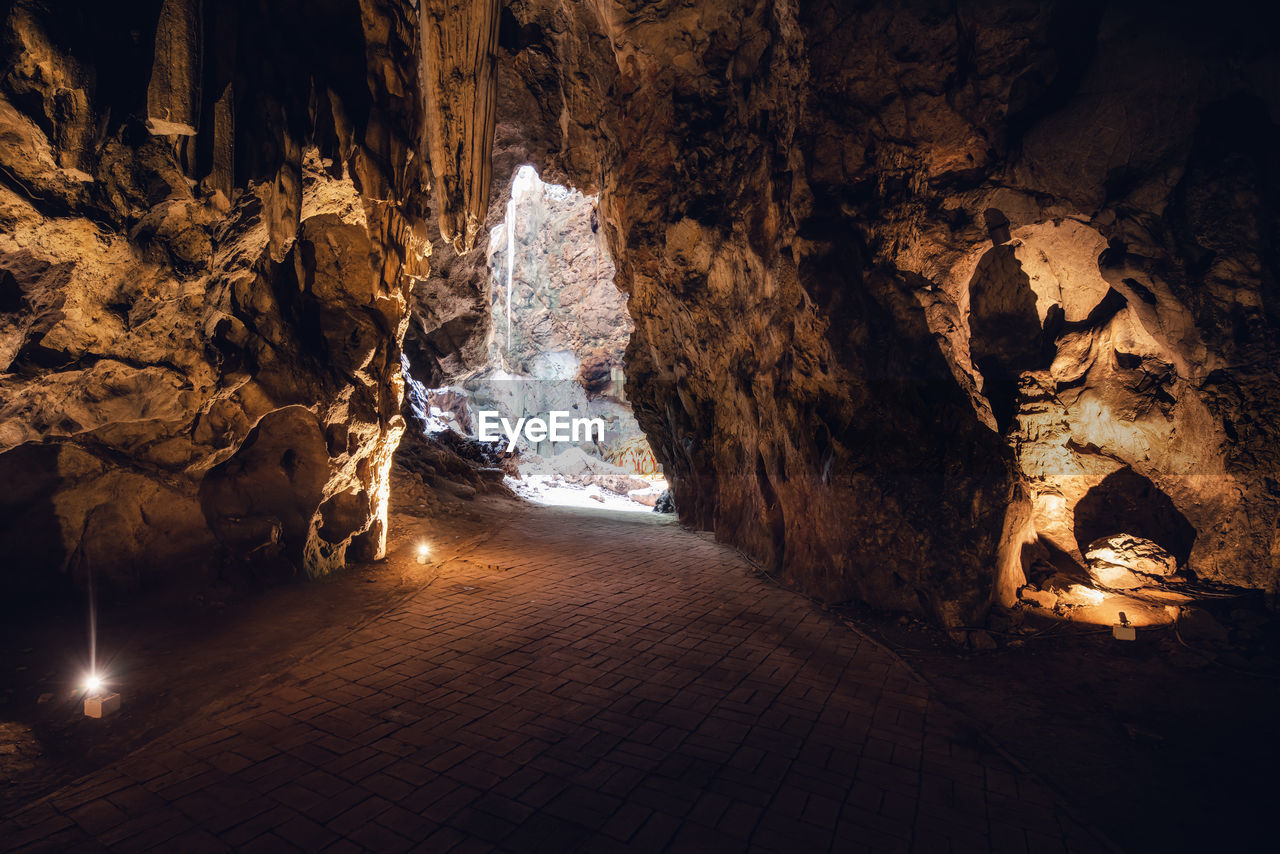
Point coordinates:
[[563, 297], [913, 287], [205, 262], [911, 284]]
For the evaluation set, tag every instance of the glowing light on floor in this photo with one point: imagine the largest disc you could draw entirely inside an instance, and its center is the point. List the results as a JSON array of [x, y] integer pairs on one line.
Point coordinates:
[[1087, 594], [424, 551]]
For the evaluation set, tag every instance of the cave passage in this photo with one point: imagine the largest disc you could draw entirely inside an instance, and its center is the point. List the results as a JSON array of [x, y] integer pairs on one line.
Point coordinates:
[[931, 348]]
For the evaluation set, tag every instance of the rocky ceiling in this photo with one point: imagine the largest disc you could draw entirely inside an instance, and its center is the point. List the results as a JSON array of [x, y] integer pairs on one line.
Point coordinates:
[[923, 293]]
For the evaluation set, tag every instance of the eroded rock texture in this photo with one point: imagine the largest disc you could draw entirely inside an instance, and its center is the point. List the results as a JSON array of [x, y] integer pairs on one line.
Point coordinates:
[[563, 300], [923, 294], [209, 219], [460, 39], [450, 318], [911, 283]]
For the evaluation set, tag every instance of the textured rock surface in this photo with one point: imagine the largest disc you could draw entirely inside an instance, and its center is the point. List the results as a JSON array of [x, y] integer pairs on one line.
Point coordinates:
[[559, 325], [451, 323], [205, 259], [460, 67], [1130, 560], [919, 291], [911, 284], [563, 296]]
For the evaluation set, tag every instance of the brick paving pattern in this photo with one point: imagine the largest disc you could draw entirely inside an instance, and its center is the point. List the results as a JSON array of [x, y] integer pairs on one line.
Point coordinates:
[[582, 682]]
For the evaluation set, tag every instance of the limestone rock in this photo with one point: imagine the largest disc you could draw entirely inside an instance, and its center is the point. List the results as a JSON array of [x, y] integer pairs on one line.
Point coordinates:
[[564, 298], [981, 641], [906, 285], [1040, 598], [204, 271], [460, 40], [1197, 624], [648, 496], [173, 94], [1123, 560], [665, 503], [448, 463], [617, 484], [911, 288]]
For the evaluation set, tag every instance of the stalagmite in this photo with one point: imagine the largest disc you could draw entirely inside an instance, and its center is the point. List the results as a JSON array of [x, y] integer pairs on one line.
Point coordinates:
[[173, 95], [511, 262]]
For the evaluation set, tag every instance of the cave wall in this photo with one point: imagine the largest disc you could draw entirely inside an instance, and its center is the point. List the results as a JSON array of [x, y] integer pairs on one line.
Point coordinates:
[[910, 280], [1096, 193], [211, 218]]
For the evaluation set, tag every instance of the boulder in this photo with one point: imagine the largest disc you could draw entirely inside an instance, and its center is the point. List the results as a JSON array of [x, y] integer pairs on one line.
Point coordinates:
[[1040, 598], [1197, 624], [647, 496], [1124, 561], [665, 503], [615, 483]]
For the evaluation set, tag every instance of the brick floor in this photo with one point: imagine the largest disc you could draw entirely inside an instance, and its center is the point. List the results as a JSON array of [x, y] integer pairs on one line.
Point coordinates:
[[580, 682]]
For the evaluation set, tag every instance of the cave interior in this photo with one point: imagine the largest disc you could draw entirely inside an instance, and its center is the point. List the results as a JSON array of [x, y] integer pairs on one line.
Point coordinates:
[[954, 323]]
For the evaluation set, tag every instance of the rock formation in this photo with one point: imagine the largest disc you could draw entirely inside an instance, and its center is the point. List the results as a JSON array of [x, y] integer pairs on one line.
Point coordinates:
[[210, 223], [460, 39], [564, 299], [559, 326], [911, 284], [922, 293]]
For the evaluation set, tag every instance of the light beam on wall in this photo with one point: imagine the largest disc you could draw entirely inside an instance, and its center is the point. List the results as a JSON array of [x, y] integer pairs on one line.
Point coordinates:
[[511, 260]]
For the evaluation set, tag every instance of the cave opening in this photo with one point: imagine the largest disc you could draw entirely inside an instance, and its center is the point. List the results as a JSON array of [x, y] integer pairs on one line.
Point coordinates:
[[550, 392]]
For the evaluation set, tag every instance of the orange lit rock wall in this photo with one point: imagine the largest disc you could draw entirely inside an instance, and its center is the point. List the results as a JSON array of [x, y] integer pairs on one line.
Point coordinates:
[[208, 232], [911, 281]]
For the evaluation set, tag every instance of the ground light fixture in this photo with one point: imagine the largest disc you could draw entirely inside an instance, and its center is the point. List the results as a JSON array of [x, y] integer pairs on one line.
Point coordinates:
[[424, 551], [99, 702]]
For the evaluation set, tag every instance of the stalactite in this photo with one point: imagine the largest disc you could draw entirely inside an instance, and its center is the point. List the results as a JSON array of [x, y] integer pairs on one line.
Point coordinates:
[[460, 42]]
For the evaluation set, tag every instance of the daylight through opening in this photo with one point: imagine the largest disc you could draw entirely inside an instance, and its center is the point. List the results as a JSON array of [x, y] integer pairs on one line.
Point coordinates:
[[549, 400]]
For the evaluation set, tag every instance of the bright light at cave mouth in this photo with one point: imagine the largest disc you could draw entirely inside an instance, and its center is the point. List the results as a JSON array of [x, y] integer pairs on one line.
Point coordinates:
[[559, 329]]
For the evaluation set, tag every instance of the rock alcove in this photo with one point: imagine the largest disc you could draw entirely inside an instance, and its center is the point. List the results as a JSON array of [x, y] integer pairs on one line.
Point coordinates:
[[920, 295]]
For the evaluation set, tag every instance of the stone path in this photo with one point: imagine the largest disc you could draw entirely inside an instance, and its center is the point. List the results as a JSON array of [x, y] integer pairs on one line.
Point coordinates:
[[581, 682]]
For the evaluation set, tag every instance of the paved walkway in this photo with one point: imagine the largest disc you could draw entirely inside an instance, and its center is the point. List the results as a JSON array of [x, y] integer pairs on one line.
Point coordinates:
[[581, 682]]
